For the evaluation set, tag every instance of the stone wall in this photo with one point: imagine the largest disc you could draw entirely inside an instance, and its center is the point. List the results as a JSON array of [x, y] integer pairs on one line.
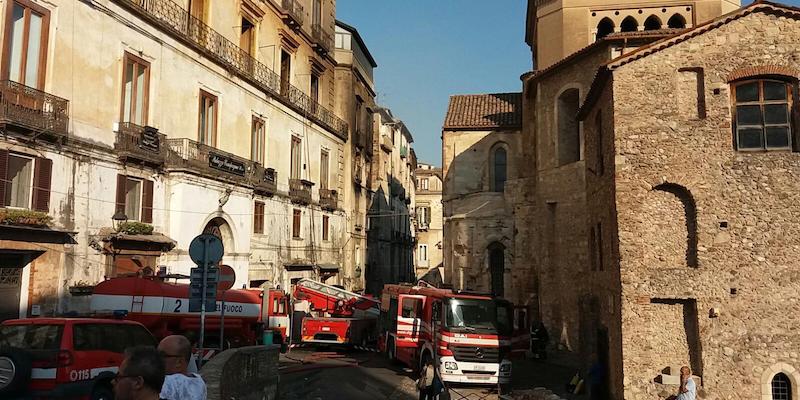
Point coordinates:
[[743, 283], [245, 373]]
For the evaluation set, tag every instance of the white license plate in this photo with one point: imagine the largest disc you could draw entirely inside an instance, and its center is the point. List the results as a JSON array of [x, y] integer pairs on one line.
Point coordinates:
[[326, 329], [479, 368]]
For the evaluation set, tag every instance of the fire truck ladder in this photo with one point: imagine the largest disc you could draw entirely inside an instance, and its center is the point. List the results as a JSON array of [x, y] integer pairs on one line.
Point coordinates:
[[336, 293]]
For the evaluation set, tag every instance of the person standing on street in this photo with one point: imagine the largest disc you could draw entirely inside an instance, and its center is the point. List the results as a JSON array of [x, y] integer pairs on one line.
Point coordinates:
[[180, 384], [140, 376], [688, 390]]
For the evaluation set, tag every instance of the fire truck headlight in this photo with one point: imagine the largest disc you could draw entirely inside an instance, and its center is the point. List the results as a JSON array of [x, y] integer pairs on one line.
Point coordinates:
[[450, 365], [505, 367]]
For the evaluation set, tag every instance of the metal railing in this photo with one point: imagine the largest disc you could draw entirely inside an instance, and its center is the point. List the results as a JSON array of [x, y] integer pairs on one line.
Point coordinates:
[[294, 10], [174, 19], [140, 143], [328, 199], [360, 220], [208, 160], [32, 109], [265, 180], [300, 191], [322, 38]]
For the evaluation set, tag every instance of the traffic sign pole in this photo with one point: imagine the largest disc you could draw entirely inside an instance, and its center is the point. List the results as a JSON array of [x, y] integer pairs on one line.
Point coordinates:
[[222, 324], [204, 265]]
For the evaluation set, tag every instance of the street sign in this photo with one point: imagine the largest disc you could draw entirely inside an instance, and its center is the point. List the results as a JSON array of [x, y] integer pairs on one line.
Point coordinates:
[[206, 249], [227, 277], [196, 289]]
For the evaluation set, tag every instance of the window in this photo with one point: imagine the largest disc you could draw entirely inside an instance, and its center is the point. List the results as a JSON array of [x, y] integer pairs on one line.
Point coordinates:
[[207, 128], [677, 22], [569, 141], [411, 307], [258, 141], [197, 9], [423, 184], [25, 181], [325, 227], [20, 181], [781, 387], [323, 169], [135, 84], [314, 89], [286, 67], [424, 216], [652, 23], [258, 217], [135, 198], [357, 122], [629, 24], [25, 48], [596, 250], [423, 252], [296, 158], [762, 115], [317, 12], [247, 36], [604, 28], [499, 167], [296, 219], [497, 268]]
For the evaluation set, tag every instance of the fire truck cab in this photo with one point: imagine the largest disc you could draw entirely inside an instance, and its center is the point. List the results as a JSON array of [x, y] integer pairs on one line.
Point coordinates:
[[461, 337]]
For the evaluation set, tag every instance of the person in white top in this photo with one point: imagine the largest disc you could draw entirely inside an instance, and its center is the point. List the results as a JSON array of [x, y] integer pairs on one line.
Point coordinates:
[[180, 384], [688, 389]]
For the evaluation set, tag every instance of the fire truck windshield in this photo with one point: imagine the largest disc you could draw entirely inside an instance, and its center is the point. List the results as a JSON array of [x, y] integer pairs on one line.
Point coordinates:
[[478, 316]]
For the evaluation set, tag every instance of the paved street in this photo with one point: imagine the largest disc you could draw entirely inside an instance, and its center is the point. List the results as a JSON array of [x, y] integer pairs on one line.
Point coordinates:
[[323, 374]]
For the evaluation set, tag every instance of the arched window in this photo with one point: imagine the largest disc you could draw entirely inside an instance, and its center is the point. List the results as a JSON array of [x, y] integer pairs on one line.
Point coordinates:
[[604, 28], [762, 115], [652, 23], [677, 22], [569, 141], [781, 387], [690, 218], [499, 169], [629, 24], [497, 268]]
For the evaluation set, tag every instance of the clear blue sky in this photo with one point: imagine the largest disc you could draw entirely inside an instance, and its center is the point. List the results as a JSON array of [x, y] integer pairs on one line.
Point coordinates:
[[427, 50]]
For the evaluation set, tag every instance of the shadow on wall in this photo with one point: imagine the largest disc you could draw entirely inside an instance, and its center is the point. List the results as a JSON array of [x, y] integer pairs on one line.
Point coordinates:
[[389, 241]]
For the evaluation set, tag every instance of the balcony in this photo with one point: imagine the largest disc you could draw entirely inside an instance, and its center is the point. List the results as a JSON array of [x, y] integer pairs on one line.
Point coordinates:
[[300, 191], [358, 171], [265, 180], [292, 13], [175, 20], [328, 199], [140, 144], [360, 219], [202, 159], [323, 40], [32, 111]]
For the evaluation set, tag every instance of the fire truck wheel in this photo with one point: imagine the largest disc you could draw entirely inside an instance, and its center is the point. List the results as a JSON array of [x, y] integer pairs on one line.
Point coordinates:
[[390, 350], [15, 370]]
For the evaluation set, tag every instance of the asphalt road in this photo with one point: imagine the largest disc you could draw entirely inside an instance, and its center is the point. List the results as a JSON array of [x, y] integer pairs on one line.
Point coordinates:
[[333, 374]]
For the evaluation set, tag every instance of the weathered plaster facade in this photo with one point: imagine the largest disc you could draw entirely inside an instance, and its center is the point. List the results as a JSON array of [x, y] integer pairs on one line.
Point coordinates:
[[429, 221]]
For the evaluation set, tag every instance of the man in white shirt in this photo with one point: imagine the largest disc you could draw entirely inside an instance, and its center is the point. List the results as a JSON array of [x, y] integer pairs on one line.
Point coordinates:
[[688, 390], [180, 384]]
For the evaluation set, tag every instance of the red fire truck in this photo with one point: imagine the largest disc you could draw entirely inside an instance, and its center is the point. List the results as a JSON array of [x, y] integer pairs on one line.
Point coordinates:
[[458, 337], [333, 315], [163, 308]]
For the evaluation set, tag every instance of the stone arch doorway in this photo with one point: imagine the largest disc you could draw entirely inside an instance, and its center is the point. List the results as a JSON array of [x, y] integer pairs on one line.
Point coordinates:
[[497, 268], [220, 228]]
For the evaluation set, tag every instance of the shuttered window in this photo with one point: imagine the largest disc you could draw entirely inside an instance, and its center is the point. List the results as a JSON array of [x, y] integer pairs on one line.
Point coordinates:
[[258, 217], [325, 227], [25, 47], [296, 218], [135, 198], [25, 181]]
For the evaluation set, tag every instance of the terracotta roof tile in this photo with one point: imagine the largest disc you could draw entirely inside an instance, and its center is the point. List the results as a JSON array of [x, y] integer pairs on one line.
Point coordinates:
[[496, 110]]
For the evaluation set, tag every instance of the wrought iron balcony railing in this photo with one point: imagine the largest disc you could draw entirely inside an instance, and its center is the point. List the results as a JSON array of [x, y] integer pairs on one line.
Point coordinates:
[[360, 221], [214, 163], [33, 111], [358, 171], [175, 20], [140, 143], [322, 38], [328, 199], [293, 13], [300, 191]]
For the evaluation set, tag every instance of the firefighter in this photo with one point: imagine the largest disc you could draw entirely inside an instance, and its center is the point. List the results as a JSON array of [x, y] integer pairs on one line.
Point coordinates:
[[539, 340]]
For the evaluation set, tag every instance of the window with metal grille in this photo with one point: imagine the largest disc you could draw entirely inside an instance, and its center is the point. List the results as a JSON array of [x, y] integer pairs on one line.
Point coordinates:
[[781, 387]]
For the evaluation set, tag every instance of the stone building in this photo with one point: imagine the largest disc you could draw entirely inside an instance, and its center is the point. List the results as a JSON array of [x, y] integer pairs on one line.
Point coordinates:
[[184, 117], [481, 149], [390, 235], [665, 236], [355, 100], [428, 221]]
